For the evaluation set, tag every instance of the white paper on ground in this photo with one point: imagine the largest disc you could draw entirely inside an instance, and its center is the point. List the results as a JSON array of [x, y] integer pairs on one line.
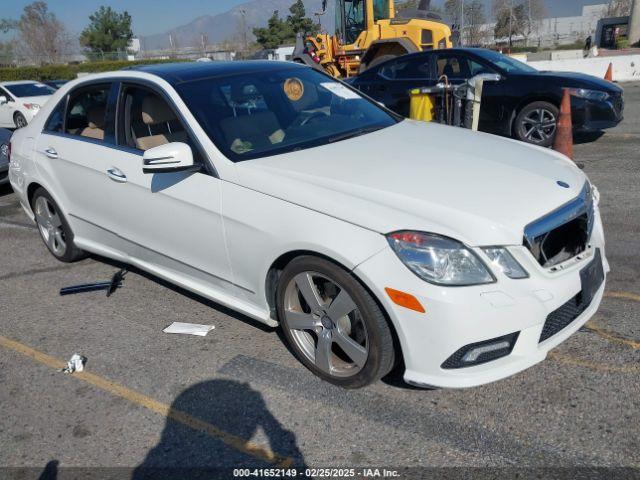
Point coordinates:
[[189, 329]]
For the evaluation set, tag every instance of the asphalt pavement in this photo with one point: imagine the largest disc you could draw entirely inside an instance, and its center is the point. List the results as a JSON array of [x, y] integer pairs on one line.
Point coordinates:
[[238, 398]]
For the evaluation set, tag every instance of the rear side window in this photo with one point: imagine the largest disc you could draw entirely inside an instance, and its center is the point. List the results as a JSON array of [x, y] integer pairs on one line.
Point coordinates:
[[414, 68], [87, 111]]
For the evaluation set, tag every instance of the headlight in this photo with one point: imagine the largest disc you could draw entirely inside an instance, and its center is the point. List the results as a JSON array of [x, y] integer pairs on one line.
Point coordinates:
[[439, 260], [596, 95], [502, 259], [32, 106]]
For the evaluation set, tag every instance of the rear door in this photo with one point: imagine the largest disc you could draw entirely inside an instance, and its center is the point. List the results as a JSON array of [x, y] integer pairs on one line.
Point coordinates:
[[397, 78], [172, 222], [74, 153], [458, 68]]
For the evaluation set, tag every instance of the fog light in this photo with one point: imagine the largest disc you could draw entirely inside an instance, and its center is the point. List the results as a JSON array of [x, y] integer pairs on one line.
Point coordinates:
[[472, 355], [482, 352]]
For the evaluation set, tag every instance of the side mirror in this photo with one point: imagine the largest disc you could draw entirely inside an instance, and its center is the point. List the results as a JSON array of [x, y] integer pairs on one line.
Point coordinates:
[[3, 100], [171, 157]]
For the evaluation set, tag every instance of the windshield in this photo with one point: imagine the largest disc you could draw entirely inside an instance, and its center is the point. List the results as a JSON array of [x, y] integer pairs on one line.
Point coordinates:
[[508, 64], [30, 89], [250, 116]]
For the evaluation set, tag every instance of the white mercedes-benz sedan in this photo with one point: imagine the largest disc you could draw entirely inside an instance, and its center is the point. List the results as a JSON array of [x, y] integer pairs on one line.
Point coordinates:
[[277, 191]]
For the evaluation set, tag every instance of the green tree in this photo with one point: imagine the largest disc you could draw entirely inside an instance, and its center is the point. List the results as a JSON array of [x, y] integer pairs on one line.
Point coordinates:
[[276, 33], [299, 22], [279, 32], [109, 31]]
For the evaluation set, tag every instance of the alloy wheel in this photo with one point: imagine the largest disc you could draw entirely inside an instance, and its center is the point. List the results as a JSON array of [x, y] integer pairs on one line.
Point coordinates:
[[50, 226], [326, 325], [539, 125]]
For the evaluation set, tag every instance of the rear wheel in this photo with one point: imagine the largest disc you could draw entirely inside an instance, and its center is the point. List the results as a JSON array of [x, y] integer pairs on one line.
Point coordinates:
[[19, 120], [537, 124], [54, 229], [334, 326]]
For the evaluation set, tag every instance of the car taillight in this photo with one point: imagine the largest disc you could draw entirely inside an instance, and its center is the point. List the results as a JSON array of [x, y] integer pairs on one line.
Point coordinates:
[[9, 152]]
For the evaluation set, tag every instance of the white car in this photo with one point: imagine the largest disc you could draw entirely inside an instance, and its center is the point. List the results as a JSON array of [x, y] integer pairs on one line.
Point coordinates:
[[20, 101], [279, 192]]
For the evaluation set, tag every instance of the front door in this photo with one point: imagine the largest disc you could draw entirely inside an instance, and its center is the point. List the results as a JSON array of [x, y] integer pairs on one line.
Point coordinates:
[[171, 221]]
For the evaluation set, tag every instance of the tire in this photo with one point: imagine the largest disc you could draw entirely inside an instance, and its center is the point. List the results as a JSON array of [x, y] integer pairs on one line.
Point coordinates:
[[54, 228], [537, 124], [376, 61], [19, 120], [358, 345]]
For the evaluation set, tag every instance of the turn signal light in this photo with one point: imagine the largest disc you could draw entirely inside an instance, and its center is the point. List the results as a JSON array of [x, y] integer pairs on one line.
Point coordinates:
[[405, 300]]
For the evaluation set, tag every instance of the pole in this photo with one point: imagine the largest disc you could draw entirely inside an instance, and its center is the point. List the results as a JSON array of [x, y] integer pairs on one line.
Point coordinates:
[[634, 23], [462, 23], [244, 30]]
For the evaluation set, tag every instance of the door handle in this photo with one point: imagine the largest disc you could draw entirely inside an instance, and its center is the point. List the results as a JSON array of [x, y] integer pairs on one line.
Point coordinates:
[[51, 153], [116, 175]]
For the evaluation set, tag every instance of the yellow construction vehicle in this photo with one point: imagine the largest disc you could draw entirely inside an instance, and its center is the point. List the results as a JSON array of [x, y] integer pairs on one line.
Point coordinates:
[[368, 32]]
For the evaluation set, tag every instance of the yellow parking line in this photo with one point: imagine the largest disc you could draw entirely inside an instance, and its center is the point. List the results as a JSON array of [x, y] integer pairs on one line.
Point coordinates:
[[593, 365], [623, 295], [149, 403], [592, 327]]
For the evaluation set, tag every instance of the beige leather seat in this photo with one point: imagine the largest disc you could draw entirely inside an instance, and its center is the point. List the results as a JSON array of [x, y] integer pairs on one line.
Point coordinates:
[[95, 124], [157, 116]]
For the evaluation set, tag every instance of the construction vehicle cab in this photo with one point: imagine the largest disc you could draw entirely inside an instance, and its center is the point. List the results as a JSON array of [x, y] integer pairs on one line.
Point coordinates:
[[368, 32]]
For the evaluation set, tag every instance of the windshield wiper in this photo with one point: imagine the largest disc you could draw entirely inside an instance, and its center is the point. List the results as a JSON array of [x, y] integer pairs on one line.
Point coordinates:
[[354, 133]]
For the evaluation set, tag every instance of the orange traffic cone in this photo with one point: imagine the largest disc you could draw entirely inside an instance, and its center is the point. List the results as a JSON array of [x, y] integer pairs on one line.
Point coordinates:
[[564, 133], [609, 75]]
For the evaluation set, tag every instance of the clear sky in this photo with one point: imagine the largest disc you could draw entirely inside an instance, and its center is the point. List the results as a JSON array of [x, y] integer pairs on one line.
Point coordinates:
[[149, 16], [157, 16]]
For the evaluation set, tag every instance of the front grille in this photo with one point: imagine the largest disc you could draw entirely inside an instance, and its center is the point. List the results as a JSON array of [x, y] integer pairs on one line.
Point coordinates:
[[564, 233]]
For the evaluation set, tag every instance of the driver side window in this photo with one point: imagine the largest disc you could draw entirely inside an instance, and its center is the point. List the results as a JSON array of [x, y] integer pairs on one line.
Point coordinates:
[[147, 121]]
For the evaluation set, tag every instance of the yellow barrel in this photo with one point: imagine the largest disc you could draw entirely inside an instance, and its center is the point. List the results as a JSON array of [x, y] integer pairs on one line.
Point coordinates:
[[422, 105]]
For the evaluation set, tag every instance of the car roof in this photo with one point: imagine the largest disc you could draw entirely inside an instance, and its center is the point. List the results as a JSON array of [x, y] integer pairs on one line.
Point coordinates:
[[19, 82], [175, 73]]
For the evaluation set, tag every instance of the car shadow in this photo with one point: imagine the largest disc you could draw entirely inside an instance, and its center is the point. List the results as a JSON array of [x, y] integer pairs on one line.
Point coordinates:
[[5, 190], [394, 378], [208, 432], [587, 137], [187, 293]]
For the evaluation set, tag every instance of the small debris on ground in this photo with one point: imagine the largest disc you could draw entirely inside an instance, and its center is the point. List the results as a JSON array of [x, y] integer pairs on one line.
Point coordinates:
[[189, 329], [75, 364]]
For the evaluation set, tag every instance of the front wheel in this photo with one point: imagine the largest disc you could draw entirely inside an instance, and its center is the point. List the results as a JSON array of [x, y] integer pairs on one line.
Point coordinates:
[[334, 326], [537, 124]]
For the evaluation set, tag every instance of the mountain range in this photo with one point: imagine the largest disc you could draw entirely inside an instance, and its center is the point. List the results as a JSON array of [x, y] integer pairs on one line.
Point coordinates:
[[255, 13]]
